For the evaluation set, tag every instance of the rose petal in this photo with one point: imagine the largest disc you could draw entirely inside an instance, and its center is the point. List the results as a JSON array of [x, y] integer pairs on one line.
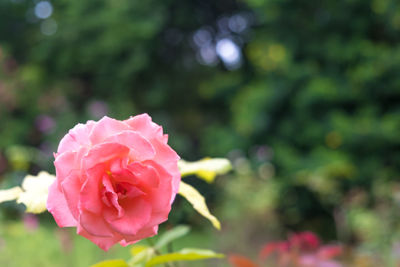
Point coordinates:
[[71, 187], [57, 206], [67, 162], [146, 175], [143, 233], [161, 196], [112, 196], [141, 149], [95, 224], [103, 242], [76, 138], [90, 193], [167, 157], [105, 128], [103, 153], [137, 214], [165, 138], [142, 123], [64, 164], [120, 172]]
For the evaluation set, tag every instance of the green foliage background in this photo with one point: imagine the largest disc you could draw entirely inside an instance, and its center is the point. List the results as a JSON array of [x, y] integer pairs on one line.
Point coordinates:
[[311, 117]]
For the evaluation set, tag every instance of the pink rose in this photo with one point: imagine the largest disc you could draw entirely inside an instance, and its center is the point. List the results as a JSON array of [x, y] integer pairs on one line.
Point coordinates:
[[116, 180]]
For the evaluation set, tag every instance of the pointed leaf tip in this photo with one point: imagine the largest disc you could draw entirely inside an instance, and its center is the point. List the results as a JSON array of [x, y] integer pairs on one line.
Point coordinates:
[[198, 202]]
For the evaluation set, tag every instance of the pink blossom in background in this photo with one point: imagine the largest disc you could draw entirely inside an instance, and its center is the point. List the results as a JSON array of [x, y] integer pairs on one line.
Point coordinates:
[[45, 124], [303, 250], [65, 239], [116, 180], [31, 221], [97, 109], [279, 247], [304, 241]]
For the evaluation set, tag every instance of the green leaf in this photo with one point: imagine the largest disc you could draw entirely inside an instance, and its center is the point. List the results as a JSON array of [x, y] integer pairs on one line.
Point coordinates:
[[184, 255], [171, 235], [111, 263], [206, 169], [198, 202]]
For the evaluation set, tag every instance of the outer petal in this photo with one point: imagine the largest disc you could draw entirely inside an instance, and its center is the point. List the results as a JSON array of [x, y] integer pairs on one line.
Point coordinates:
[[103, 242], [142, 123], [106, 127], [65, 163], [69, 161], [143, 233], [161, 196], [71, 187], [76, 137], [58, 207], [95, 225], [167, 157]]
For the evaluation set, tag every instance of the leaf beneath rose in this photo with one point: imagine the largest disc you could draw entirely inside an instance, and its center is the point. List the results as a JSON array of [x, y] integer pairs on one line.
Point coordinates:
[[198, 202], [206, 169], [140, 255], [136, 249], [171, 235], [111, 263], [184, 255]]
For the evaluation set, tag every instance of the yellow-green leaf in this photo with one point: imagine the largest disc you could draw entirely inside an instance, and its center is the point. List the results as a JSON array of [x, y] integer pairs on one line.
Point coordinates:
[[184, 255], [136, 249], [141, 254], [111, 263], [205, 169], [171, 235], [10, 194], [198, 202]]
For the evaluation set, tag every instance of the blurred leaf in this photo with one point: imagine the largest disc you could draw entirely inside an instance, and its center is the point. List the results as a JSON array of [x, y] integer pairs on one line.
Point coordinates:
[[36, 190], [141, 254], [10, 194], [20, 156], [198, 202], [171, 235], [136, 249], [205, 169], [33, 194], [111, 263], [184, 255]]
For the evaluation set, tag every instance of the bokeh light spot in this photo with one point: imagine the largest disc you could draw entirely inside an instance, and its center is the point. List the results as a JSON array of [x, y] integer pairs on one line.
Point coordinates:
[[229, 52], [43, 9]]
